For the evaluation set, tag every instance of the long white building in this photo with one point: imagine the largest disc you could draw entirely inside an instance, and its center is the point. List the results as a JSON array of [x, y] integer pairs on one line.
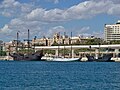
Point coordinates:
[[112, 31]]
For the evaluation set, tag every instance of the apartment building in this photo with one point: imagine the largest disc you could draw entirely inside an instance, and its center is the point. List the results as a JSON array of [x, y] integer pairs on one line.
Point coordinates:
[[112, 31]]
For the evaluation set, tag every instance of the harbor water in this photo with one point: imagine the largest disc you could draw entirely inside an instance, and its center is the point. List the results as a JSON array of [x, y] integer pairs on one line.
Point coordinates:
[[15, 75]]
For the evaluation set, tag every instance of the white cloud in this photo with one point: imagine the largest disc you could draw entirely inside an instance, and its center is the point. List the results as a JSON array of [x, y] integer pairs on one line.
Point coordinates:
[[54, 1], [13, 8], [27, 16], [8, 3], [83, 31], [54, 30], [99, 34], [114, 10], [5, 29], [19, 24], [83, 10], [41, 14]]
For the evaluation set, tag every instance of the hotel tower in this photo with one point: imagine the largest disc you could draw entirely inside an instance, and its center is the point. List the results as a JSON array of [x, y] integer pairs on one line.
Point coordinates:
[[112, 31]]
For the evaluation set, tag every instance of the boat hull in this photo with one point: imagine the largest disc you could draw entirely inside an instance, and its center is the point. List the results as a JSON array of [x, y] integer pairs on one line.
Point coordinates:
[[105, 58], [28, 57], [63, 59]]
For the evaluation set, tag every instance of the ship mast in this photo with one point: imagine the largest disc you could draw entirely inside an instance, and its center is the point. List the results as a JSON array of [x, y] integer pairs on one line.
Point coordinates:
[[17, 42], [34, 42], [58, 43], [64, 43], [71, 45], [28, 41]]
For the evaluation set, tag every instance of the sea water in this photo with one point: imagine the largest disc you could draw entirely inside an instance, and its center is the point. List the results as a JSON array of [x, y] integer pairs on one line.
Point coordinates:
[[32, 75]]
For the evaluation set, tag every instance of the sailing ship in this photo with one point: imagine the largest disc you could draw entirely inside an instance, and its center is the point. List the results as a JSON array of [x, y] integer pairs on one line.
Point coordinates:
[[61, 58], [36, 56], [104, 58], [27, 57]]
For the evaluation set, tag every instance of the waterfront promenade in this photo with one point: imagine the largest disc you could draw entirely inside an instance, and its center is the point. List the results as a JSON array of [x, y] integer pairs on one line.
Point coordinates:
[[96, 48], [115, 46]]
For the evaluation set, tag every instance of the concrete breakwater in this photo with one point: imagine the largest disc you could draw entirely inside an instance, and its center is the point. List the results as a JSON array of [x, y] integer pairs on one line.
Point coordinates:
[[6, 58]]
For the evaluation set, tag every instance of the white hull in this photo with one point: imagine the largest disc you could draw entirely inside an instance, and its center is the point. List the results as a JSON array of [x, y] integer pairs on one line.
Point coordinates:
[[59, 59], [65, 59], [117, 59]]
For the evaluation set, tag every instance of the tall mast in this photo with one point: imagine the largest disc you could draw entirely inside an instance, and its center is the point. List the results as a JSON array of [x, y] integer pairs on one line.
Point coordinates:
[[71, 45], [58, 43], [64, 43], [99, 49], [28, 40], [17, 42], [34, 42]]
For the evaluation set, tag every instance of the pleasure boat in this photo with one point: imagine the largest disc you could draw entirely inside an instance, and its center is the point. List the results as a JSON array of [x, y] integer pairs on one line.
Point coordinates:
[[59, 59]]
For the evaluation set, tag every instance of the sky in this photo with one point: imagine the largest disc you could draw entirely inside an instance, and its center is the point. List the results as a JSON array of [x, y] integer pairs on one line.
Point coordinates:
[[47, 17]]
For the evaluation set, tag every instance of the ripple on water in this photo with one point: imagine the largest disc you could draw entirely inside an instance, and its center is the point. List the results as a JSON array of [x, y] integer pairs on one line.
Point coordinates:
[[59, 75]]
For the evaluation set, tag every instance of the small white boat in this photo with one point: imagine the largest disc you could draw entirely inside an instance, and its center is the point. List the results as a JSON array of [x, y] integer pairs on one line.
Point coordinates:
[[59, 59], [66, 59], [46, 58]]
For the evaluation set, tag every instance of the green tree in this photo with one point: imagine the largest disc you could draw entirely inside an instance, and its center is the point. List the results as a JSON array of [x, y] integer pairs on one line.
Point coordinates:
[[55, 43], [3, 53]]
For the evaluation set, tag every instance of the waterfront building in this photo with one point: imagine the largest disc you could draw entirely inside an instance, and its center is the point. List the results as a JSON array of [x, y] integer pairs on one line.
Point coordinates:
[[42, 42], [64, 39], [112, 31], [75, 40], [60, 39], [11, 46]]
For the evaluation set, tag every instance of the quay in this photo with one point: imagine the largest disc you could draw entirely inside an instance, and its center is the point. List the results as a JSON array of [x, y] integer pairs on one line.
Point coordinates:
[[6, 58], [92, 50], [115, 53]]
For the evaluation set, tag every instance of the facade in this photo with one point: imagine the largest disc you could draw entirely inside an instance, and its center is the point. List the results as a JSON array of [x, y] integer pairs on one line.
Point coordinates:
[[57, 39], [11, 46], [112, 31], [61, 40], [42, 42]]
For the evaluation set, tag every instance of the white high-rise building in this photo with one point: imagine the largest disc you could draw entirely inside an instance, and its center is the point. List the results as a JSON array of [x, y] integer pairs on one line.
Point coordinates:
[[112, 31]]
